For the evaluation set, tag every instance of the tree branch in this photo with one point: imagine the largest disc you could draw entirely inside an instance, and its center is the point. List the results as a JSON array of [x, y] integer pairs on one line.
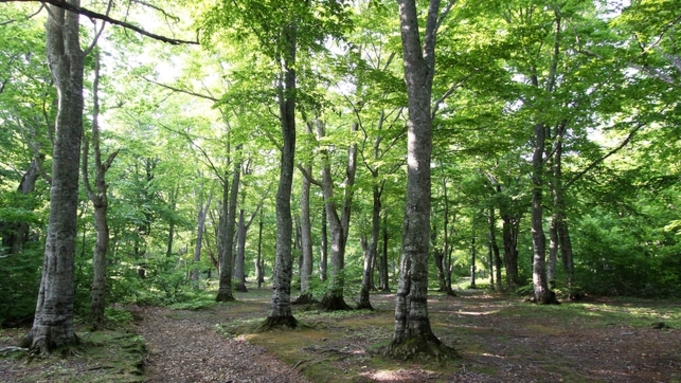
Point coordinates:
[[95, 15]]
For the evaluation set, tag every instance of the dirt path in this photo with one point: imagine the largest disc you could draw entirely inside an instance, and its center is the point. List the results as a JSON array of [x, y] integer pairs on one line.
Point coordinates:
[[185, 347]]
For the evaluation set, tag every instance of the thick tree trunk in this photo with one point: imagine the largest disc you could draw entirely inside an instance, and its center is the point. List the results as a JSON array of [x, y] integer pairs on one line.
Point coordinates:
[[412, 334], [281, 314], [227, 236], [510, 238], [53, 324]]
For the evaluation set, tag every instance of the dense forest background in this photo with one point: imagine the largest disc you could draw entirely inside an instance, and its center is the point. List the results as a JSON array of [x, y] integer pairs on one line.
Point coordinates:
[[184, 133]]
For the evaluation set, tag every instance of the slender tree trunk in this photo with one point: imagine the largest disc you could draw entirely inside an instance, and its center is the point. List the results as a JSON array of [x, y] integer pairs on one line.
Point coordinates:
[[412, 334], [510, 239], [227, 238], [15, 234], [494, 247], [99, 199], [281, 314], [383, 276], [438, 258], [259, 263], [306, 240], [473, 269], [339, 225], [324, 248], [542, 294], [200, 228], [53, 324], [240, 274]]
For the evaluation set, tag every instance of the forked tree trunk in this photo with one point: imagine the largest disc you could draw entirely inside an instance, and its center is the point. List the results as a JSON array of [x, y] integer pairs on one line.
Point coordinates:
[[339, 225], [412, 334], [281, 314], [53, 324]]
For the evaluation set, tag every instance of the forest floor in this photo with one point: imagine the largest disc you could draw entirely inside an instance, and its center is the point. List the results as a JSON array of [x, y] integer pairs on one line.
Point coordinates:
[[500, 339]]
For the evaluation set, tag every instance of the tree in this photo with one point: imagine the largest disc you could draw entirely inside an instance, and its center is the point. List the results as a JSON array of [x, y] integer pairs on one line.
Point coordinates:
[[98, 197], [413, 334], [53, 324]]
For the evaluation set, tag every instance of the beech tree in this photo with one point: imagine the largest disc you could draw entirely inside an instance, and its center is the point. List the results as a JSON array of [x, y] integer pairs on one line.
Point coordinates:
[[413, 334]]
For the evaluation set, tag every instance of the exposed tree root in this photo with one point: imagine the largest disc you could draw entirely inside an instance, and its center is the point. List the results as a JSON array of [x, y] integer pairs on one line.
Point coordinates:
[[241, 287], [334, 303], [420, 349], [278, 323], [365, 306]]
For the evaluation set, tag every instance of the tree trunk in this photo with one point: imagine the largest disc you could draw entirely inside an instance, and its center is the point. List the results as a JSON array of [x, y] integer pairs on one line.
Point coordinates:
[[227, 236], [324, 248], [542, 293], [99, 199], [510, 238], [200, 227], [306, 240], [259, 262], [281, 314], [494, 247], [383, 277], [53, 323], [413, 334], [240, 274], [438, 258], [339, 225], [473, 270]]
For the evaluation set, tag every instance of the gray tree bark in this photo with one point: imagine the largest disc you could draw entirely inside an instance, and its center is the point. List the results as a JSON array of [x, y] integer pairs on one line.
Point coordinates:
[[227, 235], [53, 324], [200, 228], [412, 334], [281, 314], [98, 197]]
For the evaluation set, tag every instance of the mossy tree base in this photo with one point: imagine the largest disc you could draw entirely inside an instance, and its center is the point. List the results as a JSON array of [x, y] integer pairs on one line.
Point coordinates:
[[47, 345], [334, 303], [420, 349], [278, 323]]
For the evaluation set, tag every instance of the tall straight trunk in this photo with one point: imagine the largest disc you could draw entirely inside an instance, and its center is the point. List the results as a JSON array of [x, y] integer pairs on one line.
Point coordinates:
[[473, 269], [494, 247], [98, 197], [559, 219], [383, 276], [446, 260], [553, 253], [259, 262], [371, 250], [438, 258], [413, 334], [542, 294], [227, 238], [281, 314], [240, 273], [200, 228], [324, 248], [306, 236], [53, 323]]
